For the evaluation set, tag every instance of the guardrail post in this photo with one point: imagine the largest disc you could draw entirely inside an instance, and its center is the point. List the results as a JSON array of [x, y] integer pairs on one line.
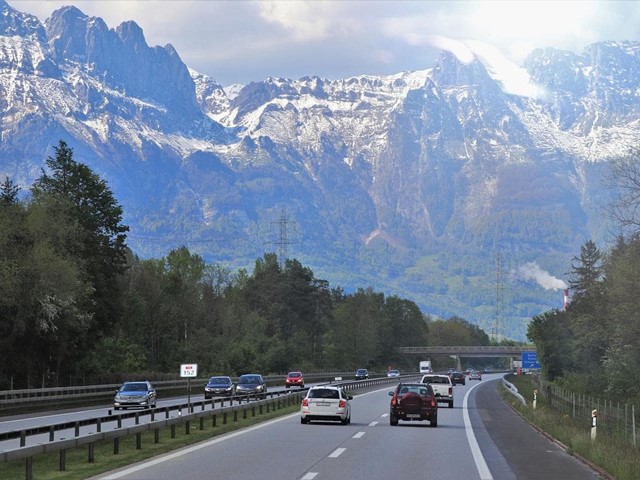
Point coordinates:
[[213, 421], [253, 411], [187, 427], [139, 441], [260, 410], [268, 408], [153, 415], [201, 423], [62, 460], [116, 445], [156, 435], [173, 430], [235, 416], [51, 433], [244, 413], [166, 412], [224, 418], [92, 452], [137, 418], [119, 421], [77, 428], [28, 474], [98, 425], [23, 438]]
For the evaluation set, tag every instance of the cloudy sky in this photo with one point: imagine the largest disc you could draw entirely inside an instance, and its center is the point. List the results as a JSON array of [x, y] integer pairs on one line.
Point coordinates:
[[237, 41]]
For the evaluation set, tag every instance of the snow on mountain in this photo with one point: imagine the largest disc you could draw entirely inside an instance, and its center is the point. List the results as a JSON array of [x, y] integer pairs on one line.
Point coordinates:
[[411, 183]]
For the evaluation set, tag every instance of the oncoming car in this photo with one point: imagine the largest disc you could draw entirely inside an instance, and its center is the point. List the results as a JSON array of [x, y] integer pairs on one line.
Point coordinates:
[[135, 394], [326, 403], [362, 374], [294, 379], [218, 387], [393, 373], [252, 384]]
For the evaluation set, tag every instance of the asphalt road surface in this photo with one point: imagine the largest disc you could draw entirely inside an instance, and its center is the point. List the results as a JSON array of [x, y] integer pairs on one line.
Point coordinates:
[[481, 438]]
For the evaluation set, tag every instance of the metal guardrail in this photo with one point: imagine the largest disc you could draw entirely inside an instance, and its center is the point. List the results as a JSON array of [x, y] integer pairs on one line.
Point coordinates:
[[28, 452], [66, 395], [511, 388]]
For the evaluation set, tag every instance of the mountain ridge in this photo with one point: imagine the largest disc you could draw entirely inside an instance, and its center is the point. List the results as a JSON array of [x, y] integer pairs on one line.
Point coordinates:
[[413, 183]]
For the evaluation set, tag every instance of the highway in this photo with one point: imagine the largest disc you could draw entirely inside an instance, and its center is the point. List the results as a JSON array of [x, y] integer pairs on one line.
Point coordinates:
[[481, 438]]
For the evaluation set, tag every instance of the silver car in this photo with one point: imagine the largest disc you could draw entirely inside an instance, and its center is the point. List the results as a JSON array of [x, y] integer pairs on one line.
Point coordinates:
[[326, 403], [135, 394]]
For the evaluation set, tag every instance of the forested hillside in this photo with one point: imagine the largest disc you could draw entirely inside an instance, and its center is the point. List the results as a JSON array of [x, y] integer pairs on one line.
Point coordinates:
[[594, 344], [76, 303]]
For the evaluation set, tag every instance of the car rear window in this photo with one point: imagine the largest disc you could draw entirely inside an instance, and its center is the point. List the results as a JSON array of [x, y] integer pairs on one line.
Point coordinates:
[[295, 375], [324, 393], [435, 380]]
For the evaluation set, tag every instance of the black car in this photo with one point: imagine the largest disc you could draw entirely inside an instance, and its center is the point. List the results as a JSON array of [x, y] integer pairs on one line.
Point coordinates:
[[362, 374], [251, 384], [218, 387], [413, 401], [458, 377]]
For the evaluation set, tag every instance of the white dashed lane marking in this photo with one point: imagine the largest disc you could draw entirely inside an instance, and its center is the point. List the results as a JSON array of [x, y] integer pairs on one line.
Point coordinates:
[[358, 435], [337, 452]]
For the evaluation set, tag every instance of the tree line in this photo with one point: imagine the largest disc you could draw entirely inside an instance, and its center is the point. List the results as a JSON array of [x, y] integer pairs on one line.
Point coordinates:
[[77, 303], [593, 346]]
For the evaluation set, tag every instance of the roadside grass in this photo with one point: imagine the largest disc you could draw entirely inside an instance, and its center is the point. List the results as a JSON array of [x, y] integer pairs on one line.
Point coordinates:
[[46, 466], [618, 458]]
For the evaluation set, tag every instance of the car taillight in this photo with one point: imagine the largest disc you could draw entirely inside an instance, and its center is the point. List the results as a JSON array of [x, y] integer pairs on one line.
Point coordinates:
[[305, 403], [434, 403], [394, 401], [342, 404]]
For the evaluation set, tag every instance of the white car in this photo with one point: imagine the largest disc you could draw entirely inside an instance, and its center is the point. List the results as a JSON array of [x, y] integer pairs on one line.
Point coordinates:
[[393, 373], [326, 402]]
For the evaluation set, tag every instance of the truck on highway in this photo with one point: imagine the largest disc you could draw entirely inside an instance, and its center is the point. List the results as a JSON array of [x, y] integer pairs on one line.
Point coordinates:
[[425, 366]]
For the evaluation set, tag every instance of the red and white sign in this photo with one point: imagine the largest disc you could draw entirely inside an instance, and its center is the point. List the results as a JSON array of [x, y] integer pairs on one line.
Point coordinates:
[[189, 370]]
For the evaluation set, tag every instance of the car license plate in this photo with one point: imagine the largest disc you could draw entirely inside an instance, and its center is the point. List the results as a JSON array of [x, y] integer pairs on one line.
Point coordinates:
[[413, 415], [323, 404]]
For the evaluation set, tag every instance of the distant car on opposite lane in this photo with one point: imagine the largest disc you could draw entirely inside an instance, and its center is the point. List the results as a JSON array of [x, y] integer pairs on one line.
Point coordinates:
[[362, 374], [294, 379], [218, 387], [393, 373], [326, 403], [135, 394]]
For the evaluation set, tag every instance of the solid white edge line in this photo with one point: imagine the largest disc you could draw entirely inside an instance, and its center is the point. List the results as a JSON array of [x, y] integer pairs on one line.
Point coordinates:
[[310, 476], [198, 446], [481, 464]]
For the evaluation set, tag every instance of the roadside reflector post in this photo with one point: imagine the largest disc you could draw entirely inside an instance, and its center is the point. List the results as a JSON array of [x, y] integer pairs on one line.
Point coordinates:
[[594, 423], [535, 398]]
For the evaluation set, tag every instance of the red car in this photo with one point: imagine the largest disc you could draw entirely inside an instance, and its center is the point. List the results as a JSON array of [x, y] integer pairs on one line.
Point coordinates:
[[413, 401], [294, 379]]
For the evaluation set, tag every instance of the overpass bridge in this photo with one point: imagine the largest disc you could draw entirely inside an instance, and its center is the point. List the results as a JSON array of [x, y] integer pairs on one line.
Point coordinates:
[[470, 351], [458, 352]]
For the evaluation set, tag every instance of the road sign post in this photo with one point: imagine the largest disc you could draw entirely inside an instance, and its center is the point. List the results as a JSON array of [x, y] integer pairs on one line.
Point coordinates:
[[189, 371]]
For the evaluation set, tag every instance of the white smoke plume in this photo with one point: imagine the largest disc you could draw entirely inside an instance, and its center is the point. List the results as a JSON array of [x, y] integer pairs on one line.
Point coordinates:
[[531, 271]]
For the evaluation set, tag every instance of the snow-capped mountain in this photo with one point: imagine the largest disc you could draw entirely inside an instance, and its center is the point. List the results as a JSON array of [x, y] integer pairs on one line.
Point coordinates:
[[412, 183]]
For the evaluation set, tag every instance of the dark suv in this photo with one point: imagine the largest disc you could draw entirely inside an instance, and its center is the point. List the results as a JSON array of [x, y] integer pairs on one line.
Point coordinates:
[[458, 377], [362, 374], [413, 401]]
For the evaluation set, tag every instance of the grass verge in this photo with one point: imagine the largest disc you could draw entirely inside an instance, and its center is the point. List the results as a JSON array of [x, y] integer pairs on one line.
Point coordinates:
[[614, 457], [46, 466]]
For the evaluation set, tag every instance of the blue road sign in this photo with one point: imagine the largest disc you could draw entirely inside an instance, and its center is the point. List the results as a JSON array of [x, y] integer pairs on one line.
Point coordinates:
[[530, 360]]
